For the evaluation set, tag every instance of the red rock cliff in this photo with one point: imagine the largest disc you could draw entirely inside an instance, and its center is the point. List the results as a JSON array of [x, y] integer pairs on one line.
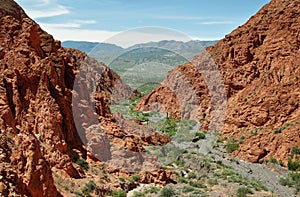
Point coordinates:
[[259, 63], [37, 129]]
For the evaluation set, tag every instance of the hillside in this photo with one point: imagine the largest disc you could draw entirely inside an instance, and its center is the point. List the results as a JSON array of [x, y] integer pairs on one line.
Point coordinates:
[[52, 133], [143, 66], [259, 65]]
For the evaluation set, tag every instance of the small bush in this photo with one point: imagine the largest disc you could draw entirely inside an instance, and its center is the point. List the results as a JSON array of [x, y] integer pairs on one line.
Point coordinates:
[[138, 194], [167, 192], [285, 182], [134, 178], [273, 160], [197, 184], [212, 181], [242, 139], [220, 163], [152, 190], [277, 131], [187, 189], [230, 147], [192, 175], [293, 165], [292, 181], [82, 163], [182, 180], [79, 194], [169, 127], [122, 179], [105, 175], [244, 191], [295, 150], [119, 193], [89, 187], [200, 135], [180, 162], [254, 133]]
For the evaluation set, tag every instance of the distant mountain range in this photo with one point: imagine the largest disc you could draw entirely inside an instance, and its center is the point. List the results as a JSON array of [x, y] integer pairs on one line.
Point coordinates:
[[142, 66], [186, 49]]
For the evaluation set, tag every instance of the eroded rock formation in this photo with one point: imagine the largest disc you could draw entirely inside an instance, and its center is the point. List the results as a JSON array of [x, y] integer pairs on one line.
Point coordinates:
[[259, 65]]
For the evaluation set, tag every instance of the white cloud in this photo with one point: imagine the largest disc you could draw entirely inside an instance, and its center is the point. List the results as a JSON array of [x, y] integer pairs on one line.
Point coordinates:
[[70, 31], [85, 22], [56, 11], [72, 24], [43, 8]]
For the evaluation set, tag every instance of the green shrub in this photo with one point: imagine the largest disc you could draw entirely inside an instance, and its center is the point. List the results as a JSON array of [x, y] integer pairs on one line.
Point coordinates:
[[167, 192], [89, 187], [79, 194], [244, 191], [134, 178], [231, 146], [277, 131], [122, 179], [220, 163], [138, 194], [187, 189], [197, 184], [169, 127], [273, 160], [192, 175], [285, 182], [180, 162], [200, 135], [258, 186], [242, 139], [182, 180], [254, 133], [293, 165], [152, 190], [212, 181], [295, 150], [119, 193], [292, 181], [82, 163]]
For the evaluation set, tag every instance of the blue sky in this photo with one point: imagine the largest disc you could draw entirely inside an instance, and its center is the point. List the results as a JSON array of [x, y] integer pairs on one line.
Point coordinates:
[[98, 20]]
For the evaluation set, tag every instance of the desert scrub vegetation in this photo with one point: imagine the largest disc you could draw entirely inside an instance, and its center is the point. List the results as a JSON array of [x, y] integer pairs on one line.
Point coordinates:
[[293, 160], [64, 184], [185, 130], [231, 146], [86, 191], [134, 178], [82, 163], [169, 127], [168, 191], [243, 191], [279, 130], [168, 154], [293, 180], [152, 190], [200, 135], [228, 174], [119, 193]]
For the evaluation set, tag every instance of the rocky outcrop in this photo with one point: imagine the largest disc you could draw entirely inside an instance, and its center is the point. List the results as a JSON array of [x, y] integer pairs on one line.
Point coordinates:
[[40, 132], [259, 66]]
